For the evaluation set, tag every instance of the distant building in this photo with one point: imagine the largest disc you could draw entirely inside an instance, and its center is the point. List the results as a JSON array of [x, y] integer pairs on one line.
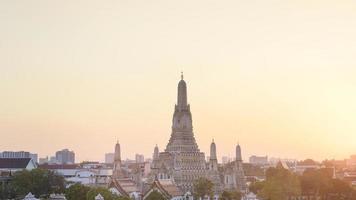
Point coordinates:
[[43, 160], [93, 174], [351, 163], [258, 160], [301, 166], [65, 156], [19, 154], [15, 154], [53, 160], [250, 196], [139, 158], [225, 160], [109, 158]]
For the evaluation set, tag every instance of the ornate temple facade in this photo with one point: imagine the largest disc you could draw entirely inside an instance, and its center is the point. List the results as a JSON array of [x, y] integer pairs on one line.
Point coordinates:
[[183, 162], [173, 171]]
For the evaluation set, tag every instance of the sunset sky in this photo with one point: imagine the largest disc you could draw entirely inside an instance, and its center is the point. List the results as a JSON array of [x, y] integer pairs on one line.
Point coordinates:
[[277, 76]]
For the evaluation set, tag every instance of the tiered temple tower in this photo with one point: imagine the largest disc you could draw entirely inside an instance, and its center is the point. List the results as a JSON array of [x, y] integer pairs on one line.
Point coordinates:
[[213, 172], [117, 172], [240, 175], [182, 157], [182, 161]]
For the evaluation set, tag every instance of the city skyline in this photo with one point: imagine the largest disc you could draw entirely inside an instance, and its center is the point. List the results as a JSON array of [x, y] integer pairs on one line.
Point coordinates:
[[275, 77]]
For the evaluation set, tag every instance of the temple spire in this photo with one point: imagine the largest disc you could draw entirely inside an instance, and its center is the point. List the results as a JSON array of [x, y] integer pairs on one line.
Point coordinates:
[[213, 151], [182, 94], [117, 152], [181, 75], [238, 153]]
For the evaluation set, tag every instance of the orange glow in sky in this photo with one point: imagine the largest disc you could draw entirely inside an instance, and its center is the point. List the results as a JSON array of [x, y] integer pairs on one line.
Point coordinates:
[[278, 76]]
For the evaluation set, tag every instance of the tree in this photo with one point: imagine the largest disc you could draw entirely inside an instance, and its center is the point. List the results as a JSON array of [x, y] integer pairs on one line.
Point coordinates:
[[340, 189], [256, 187], [230, 195], [6, 191], [202, 187], [91, 194], [316, 182], [225, 195], [77, 192], [307, 162], [280, 184], [40, 182], [154, 195]]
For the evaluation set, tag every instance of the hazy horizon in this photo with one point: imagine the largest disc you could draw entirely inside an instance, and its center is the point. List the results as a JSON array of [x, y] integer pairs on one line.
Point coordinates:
[[279, 77]]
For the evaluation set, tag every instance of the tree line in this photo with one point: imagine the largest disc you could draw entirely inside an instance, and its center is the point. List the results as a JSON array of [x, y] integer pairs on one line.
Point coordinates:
[[42, 183], [281, 184]]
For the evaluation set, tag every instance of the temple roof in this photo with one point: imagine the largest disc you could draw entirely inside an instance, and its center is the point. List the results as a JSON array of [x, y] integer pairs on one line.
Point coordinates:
[[14, 163]]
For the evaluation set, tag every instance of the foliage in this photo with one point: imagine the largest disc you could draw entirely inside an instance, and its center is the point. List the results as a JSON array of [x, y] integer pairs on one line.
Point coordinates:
[[6, 191], [230, 195], [340, 188], [93, 192], [154, 195], [202, 187], [252, 170], [257, 186], [315, 182], [77, 192], [37, 181], [307, 162], [279, 184]]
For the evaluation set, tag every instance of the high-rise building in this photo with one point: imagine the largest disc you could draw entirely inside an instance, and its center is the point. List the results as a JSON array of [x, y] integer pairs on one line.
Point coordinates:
[[65, 156], [225, 160], [351, 162], [109, 157], [43, 160], [19, 154], [53, 160], [139, 158], [258, 160]]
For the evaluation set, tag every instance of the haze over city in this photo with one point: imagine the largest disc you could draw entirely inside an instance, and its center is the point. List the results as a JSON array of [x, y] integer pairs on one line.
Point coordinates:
[[276, 76]]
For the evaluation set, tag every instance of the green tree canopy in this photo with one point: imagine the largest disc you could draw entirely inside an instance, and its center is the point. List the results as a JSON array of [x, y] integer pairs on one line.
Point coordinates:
[[230, 195], [40, 182], [280, 183], [256, 187], [77, 192], [315, 182], [307, 162], [202, 187]]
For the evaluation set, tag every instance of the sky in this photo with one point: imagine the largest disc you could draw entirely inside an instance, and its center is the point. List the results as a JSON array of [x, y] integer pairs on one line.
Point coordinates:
[[276, 76]]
